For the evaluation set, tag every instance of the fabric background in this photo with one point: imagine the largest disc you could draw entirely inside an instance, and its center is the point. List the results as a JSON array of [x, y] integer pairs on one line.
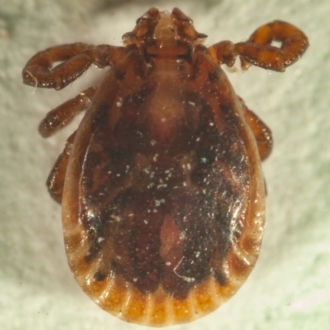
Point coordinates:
[[290, 286]]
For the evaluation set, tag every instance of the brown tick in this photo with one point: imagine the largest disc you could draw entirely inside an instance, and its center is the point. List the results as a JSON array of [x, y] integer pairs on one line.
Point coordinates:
[[161, 185]]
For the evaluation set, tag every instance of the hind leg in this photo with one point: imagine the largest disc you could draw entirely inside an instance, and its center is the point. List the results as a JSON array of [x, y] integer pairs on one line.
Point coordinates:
[[54, 121], [261, 132], [55, 181]]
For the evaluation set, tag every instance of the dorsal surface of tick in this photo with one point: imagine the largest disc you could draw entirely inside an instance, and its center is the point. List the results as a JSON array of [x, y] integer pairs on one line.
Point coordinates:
[[162, 192]]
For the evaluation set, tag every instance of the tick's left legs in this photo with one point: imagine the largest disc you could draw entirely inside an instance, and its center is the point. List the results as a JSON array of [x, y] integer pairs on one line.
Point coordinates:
[[64, 113], [257, 50], [72, 61], [261, 132], [55, 181], [55, 120]]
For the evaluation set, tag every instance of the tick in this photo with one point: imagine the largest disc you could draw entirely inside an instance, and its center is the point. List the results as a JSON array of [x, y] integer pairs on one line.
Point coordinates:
[[161, 186]]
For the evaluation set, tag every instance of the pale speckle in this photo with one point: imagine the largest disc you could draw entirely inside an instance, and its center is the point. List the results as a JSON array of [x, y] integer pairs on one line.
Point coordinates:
[[116, 218], [185, 278], [90, 215], [119, 103], [162, 186], [159, 202]]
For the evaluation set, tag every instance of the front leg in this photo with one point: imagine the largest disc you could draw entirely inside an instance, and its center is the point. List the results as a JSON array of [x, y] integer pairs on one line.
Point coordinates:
[[257, 50], [75, 60]]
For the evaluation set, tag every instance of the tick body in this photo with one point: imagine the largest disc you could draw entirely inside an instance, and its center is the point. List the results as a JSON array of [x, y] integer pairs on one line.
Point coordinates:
[[161, 186]]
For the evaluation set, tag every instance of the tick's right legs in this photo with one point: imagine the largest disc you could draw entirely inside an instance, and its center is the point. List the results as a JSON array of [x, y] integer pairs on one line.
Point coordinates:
[[258, 49], [262, 133]]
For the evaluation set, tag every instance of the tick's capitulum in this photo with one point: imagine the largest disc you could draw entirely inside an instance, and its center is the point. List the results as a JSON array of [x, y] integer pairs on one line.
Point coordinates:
[[161, 186]]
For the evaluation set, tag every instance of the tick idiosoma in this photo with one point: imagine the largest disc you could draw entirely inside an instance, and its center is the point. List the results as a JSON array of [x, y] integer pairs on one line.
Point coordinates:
[[161, 186]]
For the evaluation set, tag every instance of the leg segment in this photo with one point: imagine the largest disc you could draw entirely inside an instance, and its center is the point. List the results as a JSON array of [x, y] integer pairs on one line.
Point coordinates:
[[261, 132], [258, 50], [55, 181], [63, 114], [75, 60]]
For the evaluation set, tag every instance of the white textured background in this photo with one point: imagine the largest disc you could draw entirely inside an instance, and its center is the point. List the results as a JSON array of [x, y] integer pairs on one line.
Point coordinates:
[[290, 287]]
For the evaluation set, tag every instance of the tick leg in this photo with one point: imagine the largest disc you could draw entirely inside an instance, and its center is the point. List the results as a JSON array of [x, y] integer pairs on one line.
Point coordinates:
[[257, 50], [224, 52], [63, 114], [261, 132], [75, 60], [55, 181]]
